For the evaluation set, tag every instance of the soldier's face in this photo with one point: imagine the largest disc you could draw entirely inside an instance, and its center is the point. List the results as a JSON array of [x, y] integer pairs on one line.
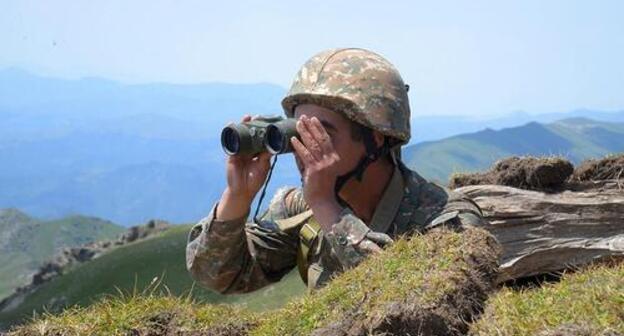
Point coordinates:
[[339, 130]]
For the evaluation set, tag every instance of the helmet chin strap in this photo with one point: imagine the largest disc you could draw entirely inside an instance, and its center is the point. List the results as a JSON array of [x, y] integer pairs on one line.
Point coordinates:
[[373, 153]]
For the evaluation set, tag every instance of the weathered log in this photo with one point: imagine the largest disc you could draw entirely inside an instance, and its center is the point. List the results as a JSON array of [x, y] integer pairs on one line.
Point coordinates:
[[548, 232]]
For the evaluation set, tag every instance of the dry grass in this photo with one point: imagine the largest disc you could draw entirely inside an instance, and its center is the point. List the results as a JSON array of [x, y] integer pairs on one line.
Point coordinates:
[[527, 172], [443, 278], [607, 168], [412, 282], [147, 313], [584, 303]]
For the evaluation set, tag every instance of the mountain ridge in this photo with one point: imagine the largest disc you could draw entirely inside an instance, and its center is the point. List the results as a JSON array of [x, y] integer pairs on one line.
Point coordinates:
[[67, 145], [26, 242], [576, 139]]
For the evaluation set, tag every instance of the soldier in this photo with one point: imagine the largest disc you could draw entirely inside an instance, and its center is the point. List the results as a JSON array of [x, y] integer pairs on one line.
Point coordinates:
[[356, 196]]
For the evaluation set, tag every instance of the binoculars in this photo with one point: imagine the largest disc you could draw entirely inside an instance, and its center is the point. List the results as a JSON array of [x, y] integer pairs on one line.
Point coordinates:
[[266, 133]]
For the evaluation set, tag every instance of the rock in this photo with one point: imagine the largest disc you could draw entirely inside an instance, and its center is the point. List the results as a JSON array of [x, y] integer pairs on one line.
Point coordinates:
[[69, 256], [46, 272], [141, 231]]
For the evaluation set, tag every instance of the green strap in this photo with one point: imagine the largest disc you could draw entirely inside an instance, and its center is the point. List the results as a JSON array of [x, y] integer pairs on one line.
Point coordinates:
[[307, 236]]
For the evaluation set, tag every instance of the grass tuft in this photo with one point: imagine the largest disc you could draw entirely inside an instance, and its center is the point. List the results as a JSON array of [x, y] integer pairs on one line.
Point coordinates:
[[590, 302], [421, 272], [443, 277], [150, 311]]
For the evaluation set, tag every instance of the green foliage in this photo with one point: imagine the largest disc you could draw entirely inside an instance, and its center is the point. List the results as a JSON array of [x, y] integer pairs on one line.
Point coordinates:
[[25, 242], [135, 266], [422, 270], [137, 313], [592, 299]]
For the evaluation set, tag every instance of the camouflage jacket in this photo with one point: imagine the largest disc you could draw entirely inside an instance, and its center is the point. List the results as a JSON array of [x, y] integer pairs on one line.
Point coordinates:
[[236, 257]]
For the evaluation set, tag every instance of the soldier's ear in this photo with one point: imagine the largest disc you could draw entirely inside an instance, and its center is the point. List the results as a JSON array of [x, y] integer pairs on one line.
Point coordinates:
[[379, 138]]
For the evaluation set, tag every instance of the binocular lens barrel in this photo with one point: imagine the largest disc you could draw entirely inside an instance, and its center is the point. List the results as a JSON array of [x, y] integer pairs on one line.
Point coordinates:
[[277, 138], [230, 140], [244, 139], [256, 136]]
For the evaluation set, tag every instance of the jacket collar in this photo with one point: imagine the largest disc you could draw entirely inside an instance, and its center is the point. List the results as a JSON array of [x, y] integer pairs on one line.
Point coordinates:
[[386, 210]]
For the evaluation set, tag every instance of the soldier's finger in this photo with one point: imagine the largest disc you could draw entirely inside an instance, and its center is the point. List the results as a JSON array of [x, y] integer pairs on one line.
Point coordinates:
[[246, 118], [368, 247], [302, 152], [319, 132], [308, 140], [263, 157], [379, 238], [260, 162], [240, 158]]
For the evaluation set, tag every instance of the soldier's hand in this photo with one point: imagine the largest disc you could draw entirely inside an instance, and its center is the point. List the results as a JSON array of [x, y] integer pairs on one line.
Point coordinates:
[[320, 169], [245, 176], [353, 241], [246, 173]]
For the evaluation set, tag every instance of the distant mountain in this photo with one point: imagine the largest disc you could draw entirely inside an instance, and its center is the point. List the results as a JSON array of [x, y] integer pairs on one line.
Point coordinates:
[[124, 152], [133, 267], [126, 179], [26, 242], [130, 153], [431, 128], [40, 107], [575, 138]]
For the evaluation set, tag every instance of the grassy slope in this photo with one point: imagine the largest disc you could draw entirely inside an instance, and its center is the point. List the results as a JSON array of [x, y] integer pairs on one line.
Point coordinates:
[[31, 242], [135, 266], [69, 231], [592, 299], [13, 260], [437, 265], [139, 314], [420, 272], [576, 139]]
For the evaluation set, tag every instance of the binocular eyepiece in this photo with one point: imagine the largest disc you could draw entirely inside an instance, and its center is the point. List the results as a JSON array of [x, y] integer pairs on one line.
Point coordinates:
[[270, 134]]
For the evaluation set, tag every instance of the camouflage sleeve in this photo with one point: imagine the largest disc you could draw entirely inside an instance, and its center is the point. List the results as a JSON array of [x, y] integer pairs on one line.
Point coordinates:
[[458, 212], [352, 240], [237, 257]]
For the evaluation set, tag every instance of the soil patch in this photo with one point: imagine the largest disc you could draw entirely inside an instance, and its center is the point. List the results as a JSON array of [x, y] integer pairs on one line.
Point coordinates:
[[607, 168], [168, 324], [531, 173], [453, 310]]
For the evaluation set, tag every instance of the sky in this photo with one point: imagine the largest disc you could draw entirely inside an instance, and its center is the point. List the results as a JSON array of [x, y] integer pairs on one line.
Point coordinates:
[[473, 58]]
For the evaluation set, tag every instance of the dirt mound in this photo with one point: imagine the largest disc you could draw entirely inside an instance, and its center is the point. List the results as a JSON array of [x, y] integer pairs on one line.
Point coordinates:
[[170, 324], [584, 303], [528, 172], [149, 313], [607, 168], [450, 276]]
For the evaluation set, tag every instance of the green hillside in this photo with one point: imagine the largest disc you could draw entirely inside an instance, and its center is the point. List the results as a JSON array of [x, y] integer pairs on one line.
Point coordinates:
[[136, 265], [26, 242], [442, 264], [589, 302], [576, 139]]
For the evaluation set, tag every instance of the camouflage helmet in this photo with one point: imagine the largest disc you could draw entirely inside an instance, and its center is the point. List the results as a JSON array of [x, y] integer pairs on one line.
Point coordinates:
[[362, 85]]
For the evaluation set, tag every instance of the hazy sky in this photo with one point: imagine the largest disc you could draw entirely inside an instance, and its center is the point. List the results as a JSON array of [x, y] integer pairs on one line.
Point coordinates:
[[459, 57]]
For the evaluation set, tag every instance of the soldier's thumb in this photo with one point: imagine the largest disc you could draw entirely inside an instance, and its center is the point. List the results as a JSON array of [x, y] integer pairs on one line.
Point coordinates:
[[379, 238]]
